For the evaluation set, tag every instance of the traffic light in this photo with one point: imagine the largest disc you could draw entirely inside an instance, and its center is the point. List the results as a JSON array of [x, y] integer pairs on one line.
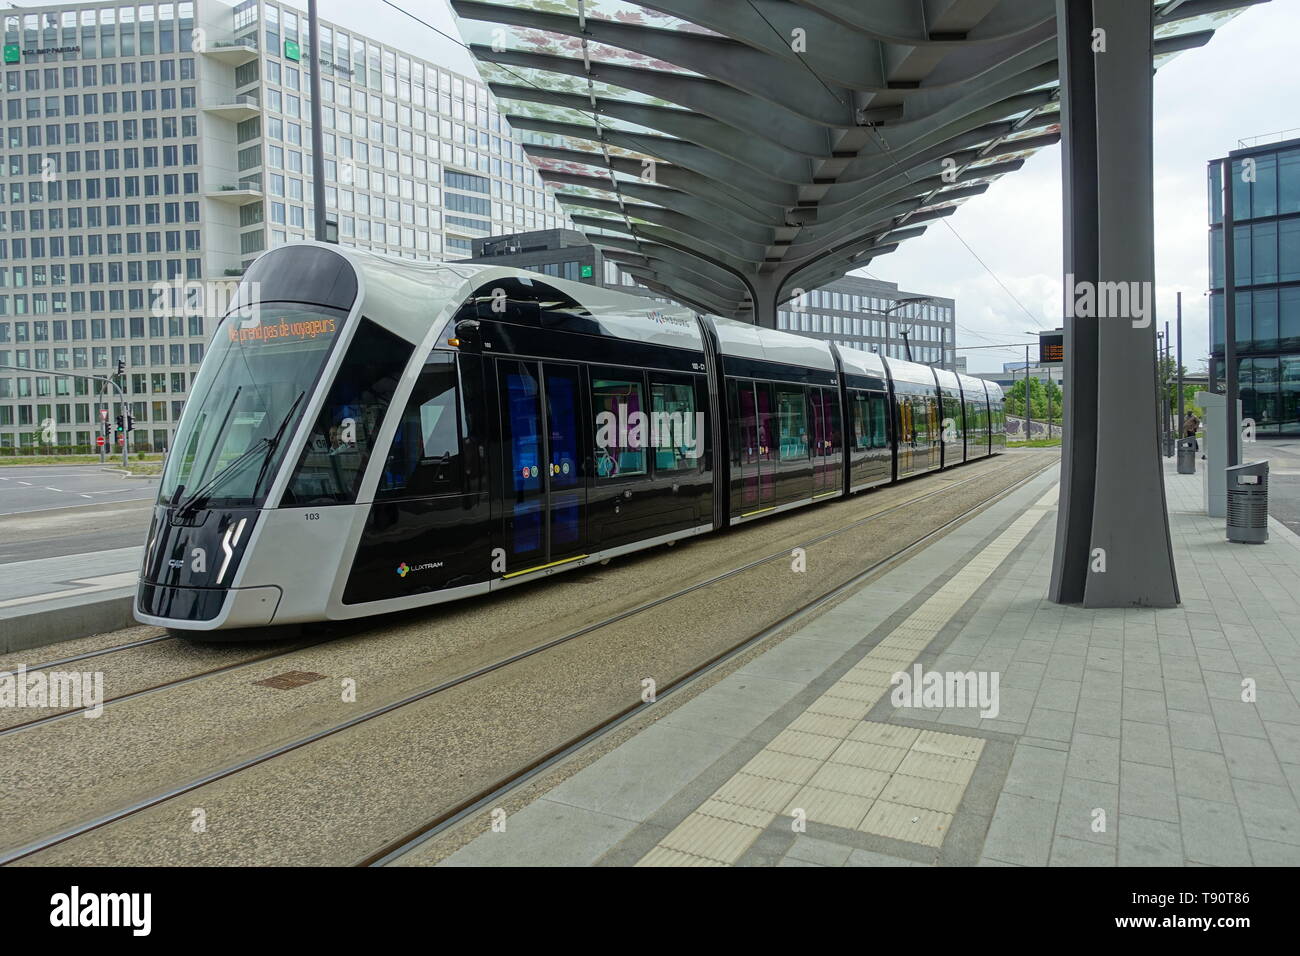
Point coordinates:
[[130, 423], [121, 366], [119, 424]]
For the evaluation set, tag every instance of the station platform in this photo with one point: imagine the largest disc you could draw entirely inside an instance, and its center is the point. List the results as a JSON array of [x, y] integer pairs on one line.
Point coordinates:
[[1121, 737], [48, 600]]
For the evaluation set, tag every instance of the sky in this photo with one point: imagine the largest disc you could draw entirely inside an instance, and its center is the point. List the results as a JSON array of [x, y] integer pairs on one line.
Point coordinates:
[[1243, 84]]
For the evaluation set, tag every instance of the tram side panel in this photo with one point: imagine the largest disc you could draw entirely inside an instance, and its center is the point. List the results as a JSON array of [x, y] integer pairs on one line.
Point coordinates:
[[997, 419], [785, 437], [917, 420], [952, 429], [428, 527], [868, 437], [651, 454]]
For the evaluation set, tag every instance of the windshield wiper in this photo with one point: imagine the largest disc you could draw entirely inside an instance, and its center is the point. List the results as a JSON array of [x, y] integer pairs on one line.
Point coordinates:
[[190, 503], [269, 444], [275, 441]]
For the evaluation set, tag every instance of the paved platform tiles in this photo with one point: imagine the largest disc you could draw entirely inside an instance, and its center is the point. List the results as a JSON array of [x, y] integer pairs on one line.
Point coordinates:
[[1121, 736]]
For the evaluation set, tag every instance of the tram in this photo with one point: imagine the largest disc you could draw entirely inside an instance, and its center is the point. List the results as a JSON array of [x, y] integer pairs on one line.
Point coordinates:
[[368, 435]]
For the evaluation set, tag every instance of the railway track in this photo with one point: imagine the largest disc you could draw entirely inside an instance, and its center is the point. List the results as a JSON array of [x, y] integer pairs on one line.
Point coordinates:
[[353, 626], [507, 783]]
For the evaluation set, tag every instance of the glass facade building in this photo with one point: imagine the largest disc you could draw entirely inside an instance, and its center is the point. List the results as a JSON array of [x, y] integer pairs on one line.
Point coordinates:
[[1266, 246], [152, 150]]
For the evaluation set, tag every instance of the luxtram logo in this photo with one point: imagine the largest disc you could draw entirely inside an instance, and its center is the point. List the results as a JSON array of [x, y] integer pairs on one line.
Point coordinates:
[[70, 690], [662, 318], [404, 569], [76, 909]]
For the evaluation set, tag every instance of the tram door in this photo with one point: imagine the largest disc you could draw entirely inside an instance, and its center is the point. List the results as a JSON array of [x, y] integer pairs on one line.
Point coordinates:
[[545, 487], [756, 454], [826, 440]]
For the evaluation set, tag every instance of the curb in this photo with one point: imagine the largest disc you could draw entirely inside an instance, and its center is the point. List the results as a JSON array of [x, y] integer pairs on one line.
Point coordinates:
[[25, 631]]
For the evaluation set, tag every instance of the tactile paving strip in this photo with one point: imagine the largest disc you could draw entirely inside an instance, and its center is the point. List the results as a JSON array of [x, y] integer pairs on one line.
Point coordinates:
[[842, 770]]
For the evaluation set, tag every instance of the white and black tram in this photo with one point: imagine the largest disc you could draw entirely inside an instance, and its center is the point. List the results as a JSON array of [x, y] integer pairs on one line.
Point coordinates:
[[368, 435]]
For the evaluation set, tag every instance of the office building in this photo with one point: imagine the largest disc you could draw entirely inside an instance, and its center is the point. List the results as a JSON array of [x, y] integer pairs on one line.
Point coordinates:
[[152, 150], [1266, 246]]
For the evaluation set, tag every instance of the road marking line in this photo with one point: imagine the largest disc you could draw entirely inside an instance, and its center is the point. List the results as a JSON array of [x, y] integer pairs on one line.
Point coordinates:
[[856, 786], [59, 490]]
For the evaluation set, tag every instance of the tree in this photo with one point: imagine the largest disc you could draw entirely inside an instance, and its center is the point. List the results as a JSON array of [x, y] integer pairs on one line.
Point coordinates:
[[1168, 370], [1041, 394]]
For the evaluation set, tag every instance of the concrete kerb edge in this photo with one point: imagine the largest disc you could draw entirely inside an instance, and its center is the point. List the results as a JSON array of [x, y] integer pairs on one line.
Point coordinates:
[[53, 625]]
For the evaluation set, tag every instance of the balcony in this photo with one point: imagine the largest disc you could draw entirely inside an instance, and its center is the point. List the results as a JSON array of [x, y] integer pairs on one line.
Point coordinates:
[[235, 52], [241, 107], [234, 195]]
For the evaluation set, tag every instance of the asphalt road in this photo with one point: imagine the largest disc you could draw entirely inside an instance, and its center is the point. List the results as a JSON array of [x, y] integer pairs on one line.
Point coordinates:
[[52, 510]]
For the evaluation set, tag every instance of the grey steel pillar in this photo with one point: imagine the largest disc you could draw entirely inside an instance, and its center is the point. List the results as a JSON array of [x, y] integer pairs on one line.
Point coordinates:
[[1230, 371], [764, 290], [317, 124], [1112, 500]]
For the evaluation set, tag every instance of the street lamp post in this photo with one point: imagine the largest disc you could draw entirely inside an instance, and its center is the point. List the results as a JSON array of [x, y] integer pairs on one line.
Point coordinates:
[[1179, 324], [898, 304]]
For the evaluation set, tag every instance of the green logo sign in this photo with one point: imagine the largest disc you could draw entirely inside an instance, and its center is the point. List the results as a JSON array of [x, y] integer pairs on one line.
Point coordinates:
[[586, 272], [292, 51], [12, 52]]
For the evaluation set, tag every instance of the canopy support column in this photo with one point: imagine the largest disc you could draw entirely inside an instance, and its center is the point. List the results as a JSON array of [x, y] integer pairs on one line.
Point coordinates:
[[1112, 536]]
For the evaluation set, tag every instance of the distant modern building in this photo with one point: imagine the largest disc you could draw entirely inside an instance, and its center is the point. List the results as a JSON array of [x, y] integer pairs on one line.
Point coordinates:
[[856, 312], [1266, 243], [876, 316], [562, 253], [150, 146]]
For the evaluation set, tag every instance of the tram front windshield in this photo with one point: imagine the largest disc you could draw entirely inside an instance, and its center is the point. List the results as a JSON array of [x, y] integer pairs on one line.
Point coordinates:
[[251, 391]]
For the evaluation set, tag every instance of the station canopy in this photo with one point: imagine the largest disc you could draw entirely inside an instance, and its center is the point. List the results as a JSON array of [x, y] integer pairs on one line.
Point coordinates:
[[729, 153]]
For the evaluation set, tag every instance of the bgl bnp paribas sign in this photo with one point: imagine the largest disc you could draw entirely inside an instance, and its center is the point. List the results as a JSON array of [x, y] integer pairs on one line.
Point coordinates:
[[14, 52]]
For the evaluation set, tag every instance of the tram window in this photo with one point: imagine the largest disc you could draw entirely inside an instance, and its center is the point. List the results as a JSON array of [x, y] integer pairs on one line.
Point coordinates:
[[879, 428], [677, 436], [919, 420], [792, 422], [869, 427], [425, 458], [620, 427], [906, 426], [860, 419], [331, 466]]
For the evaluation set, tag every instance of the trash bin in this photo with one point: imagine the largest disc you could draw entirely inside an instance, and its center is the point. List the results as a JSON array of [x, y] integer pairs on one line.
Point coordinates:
[[1187, 456], [1248, 502]]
